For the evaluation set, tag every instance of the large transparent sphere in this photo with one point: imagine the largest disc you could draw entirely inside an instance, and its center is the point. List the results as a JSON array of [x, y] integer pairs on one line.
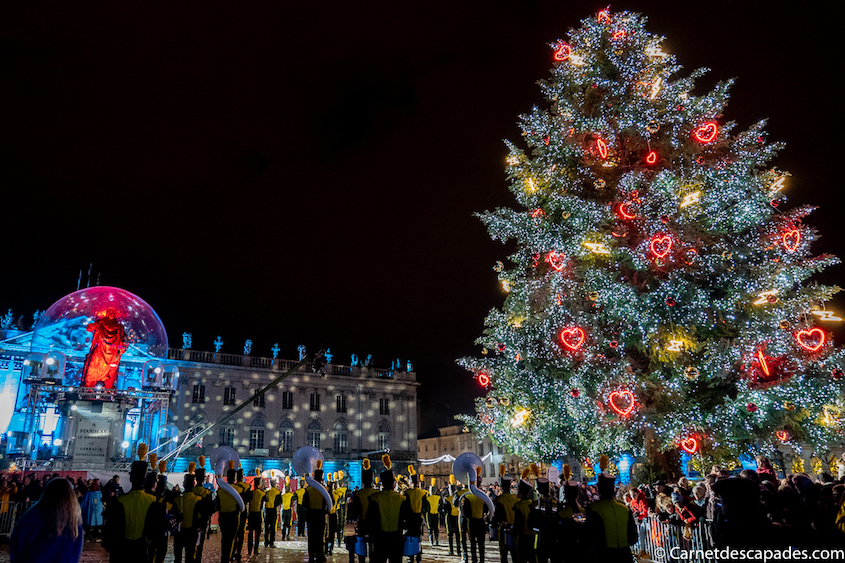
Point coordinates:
[[65, 325]]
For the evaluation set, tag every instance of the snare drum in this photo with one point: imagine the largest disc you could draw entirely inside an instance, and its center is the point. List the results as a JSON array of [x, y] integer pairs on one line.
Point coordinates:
[[412, 546], [510, 538], [361, 546], [494, 532]]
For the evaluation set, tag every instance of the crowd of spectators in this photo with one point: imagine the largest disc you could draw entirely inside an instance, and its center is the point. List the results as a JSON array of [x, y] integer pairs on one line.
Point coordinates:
[[752, 509]]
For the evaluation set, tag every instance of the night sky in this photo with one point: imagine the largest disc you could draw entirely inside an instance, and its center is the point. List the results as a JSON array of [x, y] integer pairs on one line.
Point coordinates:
[[308, 174]]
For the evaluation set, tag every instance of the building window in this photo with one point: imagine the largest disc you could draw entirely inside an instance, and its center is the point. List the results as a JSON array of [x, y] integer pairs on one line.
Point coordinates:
[[258, 399], [229, 396], [314, 430], [314, 405], [383, 436], [286, 436], [341, 441], [383, 406], [227, 436], [287, 399], [256, 438], [341, 403], [199, 393]]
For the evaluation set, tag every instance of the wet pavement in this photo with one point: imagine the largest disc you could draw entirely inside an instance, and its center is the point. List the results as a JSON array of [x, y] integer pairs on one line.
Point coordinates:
[[292, 551]]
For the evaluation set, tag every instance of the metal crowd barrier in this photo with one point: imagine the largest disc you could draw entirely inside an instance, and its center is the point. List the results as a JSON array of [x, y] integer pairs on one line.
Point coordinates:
[[8, 512], [657, 540]]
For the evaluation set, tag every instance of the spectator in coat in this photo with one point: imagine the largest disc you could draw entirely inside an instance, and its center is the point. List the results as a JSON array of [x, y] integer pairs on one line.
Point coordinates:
[[50, 531], [92, 510]]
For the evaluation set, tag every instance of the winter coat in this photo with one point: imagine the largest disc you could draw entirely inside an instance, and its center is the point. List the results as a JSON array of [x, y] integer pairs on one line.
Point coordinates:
[[92, 508]]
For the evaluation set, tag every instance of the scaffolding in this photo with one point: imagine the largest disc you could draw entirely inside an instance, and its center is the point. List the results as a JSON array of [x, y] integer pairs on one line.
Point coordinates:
[[153, 405]]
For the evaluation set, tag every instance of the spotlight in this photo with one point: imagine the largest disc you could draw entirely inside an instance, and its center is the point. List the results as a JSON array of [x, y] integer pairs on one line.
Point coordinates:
[[73, 407], [57, 442], [124, 445]]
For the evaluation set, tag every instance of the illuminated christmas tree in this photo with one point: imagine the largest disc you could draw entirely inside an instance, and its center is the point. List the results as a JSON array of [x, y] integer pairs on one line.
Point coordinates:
[[658, 290]]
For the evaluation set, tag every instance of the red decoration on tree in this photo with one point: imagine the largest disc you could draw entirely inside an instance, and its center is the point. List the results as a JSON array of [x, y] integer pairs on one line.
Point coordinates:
[[484, 379], [811, 340], [562, 52], [624, 212], [689, 445], [501, 347], [791, 239], [619, 35], [555, 260], [660, 246], [602, 147], [625, 396], [707, 132], [837, 374], [782, 435], [575, 393], [763, 364], [651, 158], [614, 344], [670, 301], [572, 338], [604, 16], [751, 407]]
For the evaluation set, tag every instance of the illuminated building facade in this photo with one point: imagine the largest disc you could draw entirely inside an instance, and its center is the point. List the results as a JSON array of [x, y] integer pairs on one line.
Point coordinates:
[[81, 392]]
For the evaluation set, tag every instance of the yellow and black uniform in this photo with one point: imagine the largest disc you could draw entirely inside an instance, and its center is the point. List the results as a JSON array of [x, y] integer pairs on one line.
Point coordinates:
[[612, 528], [228, 519], [207, 508], [161, 514], [301, 511], [271, 515], [316, 517], [503, 517], [358, 512], [286, 500], [126, 526], [474, 509], [387, 515], [256, 507], [331, 532], [185, 540], [431, 510], [340, 508], [246, 494], [452, 528], [415, 498], [525, 536], [360, 504]]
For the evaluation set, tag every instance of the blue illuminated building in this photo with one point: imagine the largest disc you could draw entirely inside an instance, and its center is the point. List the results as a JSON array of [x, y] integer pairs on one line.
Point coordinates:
[[143, 391]]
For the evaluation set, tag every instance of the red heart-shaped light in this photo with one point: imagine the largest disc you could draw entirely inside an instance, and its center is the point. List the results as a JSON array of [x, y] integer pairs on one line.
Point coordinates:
[[562, 52], [689, 445], [622, 395], [555, 260], [791, 239], [810, 340], [706, 132], [660, 246], [572, 338], [783, 435]]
